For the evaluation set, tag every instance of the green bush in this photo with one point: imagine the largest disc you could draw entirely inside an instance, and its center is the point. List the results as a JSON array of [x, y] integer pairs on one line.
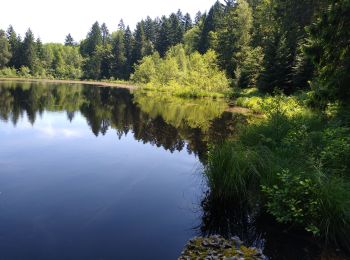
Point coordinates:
[[8, 73], [24, 72], [294, 199], [193, 75]]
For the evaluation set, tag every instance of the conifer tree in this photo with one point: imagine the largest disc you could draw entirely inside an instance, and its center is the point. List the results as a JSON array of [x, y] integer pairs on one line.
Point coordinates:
[[93, 39], [119, 70], [15, 48], [5, 54], [140, 48], [121, 25], [105, 34], [29, 50], [69, 41], [328, 47], [163, 41], [187, 22], [212, 24], [129, 43]]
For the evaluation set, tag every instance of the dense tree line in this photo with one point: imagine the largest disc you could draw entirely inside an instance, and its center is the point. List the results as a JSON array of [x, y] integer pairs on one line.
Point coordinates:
[[271, 44], [31, 57]]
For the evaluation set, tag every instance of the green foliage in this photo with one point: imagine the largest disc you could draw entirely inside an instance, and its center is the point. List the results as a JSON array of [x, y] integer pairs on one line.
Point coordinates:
[[336, 147], [315, 201], [62, 61], [184, 75], [263, 103], [191, 39], [294, 199]]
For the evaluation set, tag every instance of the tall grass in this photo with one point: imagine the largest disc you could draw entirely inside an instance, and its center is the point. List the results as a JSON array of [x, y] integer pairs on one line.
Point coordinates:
[[298, 164], [234, 170]]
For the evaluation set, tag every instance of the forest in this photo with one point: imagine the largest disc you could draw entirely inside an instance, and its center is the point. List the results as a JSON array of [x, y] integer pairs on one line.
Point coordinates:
[[269, 44], [286, 60]]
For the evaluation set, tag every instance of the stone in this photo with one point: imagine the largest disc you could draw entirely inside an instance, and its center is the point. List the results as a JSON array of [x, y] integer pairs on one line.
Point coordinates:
[[218, 248]]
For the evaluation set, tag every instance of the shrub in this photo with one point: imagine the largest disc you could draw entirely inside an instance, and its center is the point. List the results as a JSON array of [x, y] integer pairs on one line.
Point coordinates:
[[193, 75], [294, 199], [24, 72], [8, 73]]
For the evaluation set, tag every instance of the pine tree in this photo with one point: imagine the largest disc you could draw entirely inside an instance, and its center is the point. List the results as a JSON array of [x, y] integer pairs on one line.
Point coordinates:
[[188, 24], [129, 43], [69, 41], [277, 72], [93, 39], [151, 30], [163, 41], [198, 17], [105, 55], [5, 54], [29, 50], [15, 48], [328, 47], [212, 24], [121, 25], [234, 39], [105, 34], [176, 28], [119, 69], [139, 50]]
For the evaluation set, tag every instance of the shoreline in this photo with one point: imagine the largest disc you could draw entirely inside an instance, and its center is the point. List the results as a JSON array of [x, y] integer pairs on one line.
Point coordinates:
[[95, 83], [232, 109]]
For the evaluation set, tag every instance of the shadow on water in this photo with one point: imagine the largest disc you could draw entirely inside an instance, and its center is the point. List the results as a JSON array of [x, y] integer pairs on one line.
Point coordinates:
[[257, 229]]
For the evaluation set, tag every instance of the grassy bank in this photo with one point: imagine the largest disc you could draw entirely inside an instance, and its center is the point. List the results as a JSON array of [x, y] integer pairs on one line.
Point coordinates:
[[294, 164]]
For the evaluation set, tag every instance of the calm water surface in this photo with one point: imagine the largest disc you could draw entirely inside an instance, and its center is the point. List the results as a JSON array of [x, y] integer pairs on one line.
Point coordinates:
[[101, 173], [85, 173]]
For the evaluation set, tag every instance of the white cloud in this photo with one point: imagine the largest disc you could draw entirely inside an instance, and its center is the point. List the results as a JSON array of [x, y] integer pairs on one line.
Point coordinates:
[[52, 132]]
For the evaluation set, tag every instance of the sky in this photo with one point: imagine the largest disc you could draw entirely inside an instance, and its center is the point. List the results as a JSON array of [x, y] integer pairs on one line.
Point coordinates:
[[52, 20]]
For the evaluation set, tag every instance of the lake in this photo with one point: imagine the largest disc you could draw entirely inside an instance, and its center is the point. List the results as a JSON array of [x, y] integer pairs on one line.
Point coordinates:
[[91, 172], [86, 173]]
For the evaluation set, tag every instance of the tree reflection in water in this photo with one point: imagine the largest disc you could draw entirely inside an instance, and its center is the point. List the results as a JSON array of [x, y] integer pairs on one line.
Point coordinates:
[[172, 123]]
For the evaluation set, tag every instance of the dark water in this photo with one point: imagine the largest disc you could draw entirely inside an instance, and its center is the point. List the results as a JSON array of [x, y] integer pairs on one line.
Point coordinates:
[[100, 173]]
